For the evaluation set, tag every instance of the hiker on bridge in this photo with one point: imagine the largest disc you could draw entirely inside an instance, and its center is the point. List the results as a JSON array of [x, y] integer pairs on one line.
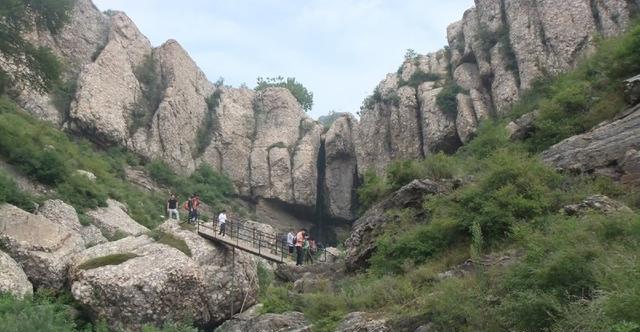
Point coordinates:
[[291, 239], [299, 243], [222, 221], [172, 207]]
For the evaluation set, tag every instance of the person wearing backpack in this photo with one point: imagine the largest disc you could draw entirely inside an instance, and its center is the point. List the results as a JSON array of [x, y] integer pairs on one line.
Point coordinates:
[[188, 205]]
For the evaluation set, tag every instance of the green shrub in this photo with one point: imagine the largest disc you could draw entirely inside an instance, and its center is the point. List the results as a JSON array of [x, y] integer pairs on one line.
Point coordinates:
[[82, 193], [115, 259], [402, 172], [63, 94], [34, 315], [447, 99], [10, 193], [206, 130], [440, 166], [142, 110], [372, 189], [265, 279], [530, 311], [276, 300], [419, 77], [299, 91]]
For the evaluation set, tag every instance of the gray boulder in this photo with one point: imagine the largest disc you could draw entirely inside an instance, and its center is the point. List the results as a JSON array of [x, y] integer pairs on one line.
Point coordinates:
[[363, 322], [286, 322], [12, 279], [599, 203], [65, 215], [43, 248], [114, 221]]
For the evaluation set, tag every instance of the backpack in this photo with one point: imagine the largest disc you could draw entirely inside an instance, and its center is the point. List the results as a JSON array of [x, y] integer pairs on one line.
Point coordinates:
[[187, 205]]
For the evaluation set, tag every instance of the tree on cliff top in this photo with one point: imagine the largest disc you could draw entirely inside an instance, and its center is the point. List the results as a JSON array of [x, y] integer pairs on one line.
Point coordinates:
[[304, 96]]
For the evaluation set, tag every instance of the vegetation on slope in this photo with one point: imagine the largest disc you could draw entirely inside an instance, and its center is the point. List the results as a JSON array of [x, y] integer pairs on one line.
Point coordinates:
[[535, 268], [299, 91]]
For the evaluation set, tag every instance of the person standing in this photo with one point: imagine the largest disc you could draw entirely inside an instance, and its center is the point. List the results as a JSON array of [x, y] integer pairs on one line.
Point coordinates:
[[188, 205], [172, 207], [195, 204], [222, 221], [299, 244], [291, 242]]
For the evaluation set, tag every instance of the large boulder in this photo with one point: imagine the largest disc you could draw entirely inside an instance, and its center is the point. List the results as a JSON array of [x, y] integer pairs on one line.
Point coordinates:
[[147, 282], [12, 279], [114, 221], [361, 244], [599, 203], [66, 216], [227, 283], [609, 149], [340, 168], [43, 248]]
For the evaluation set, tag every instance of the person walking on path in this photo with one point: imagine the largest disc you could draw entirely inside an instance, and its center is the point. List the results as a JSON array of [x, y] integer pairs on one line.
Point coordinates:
[[222, 220], [291, 239], [172, 207], [188, 205], [299, 244]]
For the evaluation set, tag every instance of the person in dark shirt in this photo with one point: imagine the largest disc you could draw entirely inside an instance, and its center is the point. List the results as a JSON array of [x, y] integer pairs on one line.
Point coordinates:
[[172, 207]]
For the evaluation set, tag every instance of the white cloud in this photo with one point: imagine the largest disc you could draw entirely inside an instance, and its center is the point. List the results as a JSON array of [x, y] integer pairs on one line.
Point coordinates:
[[340, 49]]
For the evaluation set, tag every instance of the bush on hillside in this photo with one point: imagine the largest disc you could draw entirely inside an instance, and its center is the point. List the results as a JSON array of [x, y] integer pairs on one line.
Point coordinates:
[[10, 193], [447, 99], [373, 189]]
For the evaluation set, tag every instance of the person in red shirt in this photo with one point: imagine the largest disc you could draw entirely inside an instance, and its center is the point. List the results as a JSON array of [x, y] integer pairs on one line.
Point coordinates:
[[195, 204], [299, 250]]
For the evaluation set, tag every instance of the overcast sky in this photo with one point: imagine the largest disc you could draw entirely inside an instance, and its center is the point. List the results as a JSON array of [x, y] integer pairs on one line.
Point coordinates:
[[339, 49]]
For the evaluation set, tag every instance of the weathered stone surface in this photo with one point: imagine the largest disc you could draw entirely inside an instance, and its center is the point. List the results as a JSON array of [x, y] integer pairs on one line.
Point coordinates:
[[439, 128], [65, 215], [12, 279], [286, 322], [466, 122], [223, 283], [230, 149], [92, 236], [467, 76], [361, 244], [158, 285], [114, 221], [41, 247], [285, 149], [340, 168], [171, 133], [363, 322], [108, 88], [632, 90], [521, 127], [602, 149], [600, 203]]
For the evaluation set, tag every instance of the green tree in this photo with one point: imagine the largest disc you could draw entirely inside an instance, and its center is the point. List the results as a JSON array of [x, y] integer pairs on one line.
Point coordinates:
[[304, 96]]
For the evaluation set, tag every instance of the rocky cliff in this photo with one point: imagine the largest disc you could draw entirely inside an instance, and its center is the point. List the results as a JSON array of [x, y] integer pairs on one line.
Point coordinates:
[[158, 103]]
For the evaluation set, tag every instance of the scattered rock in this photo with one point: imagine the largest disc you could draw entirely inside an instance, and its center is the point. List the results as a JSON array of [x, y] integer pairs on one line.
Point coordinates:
[[12, 279], [86, 174], [286, 322], [632, 90], [599, 203], [363, 322], [312, 283], [43, 248], [522, 127], [114, 221], [334, 254]]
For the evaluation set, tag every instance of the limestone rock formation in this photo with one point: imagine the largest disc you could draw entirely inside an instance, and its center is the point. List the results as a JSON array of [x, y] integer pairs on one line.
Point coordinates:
[[609, 149], [158, 283], [114, 221], [340, 168], [108, 88], [43, 248], [285, 322], [361, 244], [12, 279], [363, 322]]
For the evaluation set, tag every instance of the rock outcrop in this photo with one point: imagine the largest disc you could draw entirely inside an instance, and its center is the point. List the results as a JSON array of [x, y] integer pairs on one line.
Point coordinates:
[[340, 169], [12, 279], [494, 53], [609, 149], [363, 322], [43, 248], [361, 244], [285, 322], [114, 221], [599, 203]]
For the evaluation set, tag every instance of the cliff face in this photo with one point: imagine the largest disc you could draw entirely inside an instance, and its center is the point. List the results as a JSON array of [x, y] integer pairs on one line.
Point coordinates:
[[494, 53], [157, 102]]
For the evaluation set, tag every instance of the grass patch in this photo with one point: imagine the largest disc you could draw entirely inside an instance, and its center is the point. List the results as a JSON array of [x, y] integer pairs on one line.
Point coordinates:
[[170, 240], [115, 259]]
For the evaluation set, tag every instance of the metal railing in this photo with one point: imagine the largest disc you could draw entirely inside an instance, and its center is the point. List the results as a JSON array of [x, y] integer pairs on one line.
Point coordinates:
[[243, 234]]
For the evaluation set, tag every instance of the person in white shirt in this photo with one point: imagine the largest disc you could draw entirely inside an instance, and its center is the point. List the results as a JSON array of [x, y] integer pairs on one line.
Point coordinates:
[[291, 242], [222, 220]]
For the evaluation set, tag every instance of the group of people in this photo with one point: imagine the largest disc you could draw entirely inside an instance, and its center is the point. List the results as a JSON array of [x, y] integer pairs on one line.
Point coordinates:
[[305, 247], [191, 205]]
